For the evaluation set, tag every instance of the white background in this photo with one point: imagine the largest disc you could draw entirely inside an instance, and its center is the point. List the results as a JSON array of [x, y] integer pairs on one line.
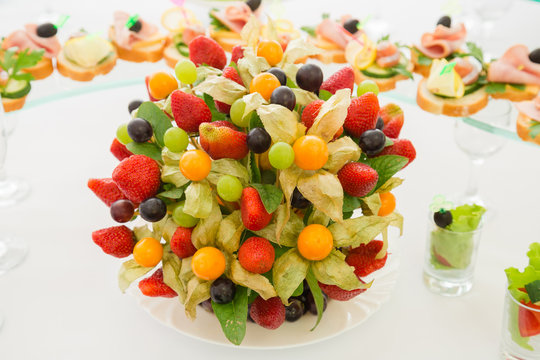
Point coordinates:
[[63, 302]]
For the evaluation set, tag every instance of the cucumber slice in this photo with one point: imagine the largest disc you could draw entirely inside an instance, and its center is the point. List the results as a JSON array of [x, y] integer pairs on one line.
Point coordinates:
[[16, 89], [375, 71], [469, 89]]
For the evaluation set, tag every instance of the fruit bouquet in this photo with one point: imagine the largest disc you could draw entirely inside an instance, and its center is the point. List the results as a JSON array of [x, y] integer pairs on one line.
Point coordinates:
[[243, 181]]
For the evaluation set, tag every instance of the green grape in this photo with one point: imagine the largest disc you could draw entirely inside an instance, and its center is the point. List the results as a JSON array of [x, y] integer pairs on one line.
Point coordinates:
[[229, 188], [181, 218], [367, 86], [237, 110], [281, 155], [122, 134], [176, 139], [186, 71]]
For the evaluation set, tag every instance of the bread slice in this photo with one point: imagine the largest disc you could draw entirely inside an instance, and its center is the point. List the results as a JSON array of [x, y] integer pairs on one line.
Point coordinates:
[[386, 84], [171, 55], [418, 68], [522, 128], [226, 39], [465, 106], [516, 95], [140, 52], [13, 104], [332, 56], [43, 69], [79, 73]]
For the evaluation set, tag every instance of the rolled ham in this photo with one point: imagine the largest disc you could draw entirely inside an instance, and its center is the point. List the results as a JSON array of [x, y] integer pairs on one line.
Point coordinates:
[[515, 67], [28, 39], [234, 16], [468, 69], [191, 32], [443, 41], [336, 33], [126, 38]]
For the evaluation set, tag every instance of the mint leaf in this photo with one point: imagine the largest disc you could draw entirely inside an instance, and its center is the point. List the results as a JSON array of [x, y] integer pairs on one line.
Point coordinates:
[[172, 194], [402, 70], [495, 87], [317, 295], [350, 203], [233, 316], [157, 118], [324, 95], [27, 59], [299, 290], [148, 149], [475, 52], [422, 59], [216, 115], [386, 166], [310, 30], [534, 129], [271, 196], [254, 172]]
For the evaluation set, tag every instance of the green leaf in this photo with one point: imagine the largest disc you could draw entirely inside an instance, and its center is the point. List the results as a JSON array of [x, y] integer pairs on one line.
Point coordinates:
[[350, 203], [421, 58], [216, 24], [520, 87], [288, 273], [317, 295], [291, 84], [129, 272], [310, 30], [271, 196], [466, 218], [386, 166], [233, 316], [216, 115], [172, 194], [254, 172], [495, 87], [148, 149], [157, 118], [324, 95], [255, 121], [534, 129], [402, 70], [475, 52]]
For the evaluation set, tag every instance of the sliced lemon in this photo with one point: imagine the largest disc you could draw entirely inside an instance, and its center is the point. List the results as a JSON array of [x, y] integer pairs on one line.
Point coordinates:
[[361, 53], [87, 51], [177, 19], [445, 83]]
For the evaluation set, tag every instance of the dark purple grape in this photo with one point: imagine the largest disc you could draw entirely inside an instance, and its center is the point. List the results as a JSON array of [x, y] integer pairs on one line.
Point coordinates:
[[122, 210], [280, 74], [294, 310], [380, 123], [153, 209], [134, 105], [283, 96], [140, 130], [311, 303], [222, 291], [534, 56], [207, 305], [372, 142], [309, 77], [298, 200], [258, 140]]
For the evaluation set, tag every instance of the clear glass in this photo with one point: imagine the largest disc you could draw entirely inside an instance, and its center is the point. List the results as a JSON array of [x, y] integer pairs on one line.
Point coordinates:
[[450, 259], [479, 145], [519, 339]]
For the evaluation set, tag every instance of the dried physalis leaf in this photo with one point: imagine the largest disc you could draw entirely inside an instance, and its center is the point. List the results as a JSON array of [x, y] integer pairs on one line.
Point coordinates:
[[251, 31], [221, 89], [324, 191], [297, 49], [332, 115], [280, 123], [341, 152]]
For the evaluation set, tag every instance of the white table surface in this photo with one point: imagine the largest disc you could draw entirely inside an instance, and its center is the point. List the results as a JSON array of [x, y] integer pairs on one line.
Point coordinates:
[[63, 302]]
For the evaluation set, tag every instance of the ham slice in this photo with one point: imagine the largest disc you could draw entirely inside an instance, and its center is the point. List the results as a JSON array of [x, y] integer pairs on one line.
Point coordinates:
[[126, 38], [515, 67], [530, 108], [234, 16], [334, 32], [388, 54], [28, 39], [443, 41], [468, 71]]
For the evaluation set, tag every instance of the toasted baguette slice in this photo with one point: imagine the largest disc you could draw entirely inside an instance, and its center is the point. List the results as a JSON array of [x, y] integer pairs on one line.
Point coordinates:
[[13, 104], [43, 69], [465, 106], [79, 73], [172, 56], [151, 50], [418, 68], [332, 56], [522, 128], [513, 94], [383, 84], [226, 39]]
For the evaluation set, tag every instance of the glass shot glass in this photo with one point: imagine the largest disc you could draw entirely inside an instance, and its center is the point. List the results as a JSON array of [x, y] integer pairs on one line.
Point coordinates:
[[520, 337], [450, 259]]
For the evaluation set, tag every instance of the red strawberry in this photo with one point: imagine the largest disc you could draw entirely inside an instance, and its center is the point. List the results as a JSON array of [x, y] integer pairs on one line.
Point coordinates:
[[357, 179], [138, 177], [392, 116], [237, 53], [189, 111], [362, 114], [106, 190], [230, 73], [343, 79], [363, 259], [254, 215], [256, 255], [146, 80], [310, 113], [181, 243], [220, 139], [337, 293], [120, 150], [401, 147], [206, 51], [269, 314], [117, 241], [154, 286]]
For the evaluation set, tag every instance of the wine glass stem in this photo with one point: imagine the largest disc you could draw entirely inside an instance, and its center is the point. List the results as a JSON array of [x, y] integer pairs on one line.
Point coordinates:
[[472, 186]]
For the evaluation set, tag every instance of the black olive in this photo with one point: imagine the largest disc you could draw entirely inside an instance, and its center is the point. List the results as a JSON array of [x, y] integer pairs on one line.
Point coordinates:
[[534, 56], [351, 25], [46, 30], [445, 21], [253, 4], [136, 27]]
